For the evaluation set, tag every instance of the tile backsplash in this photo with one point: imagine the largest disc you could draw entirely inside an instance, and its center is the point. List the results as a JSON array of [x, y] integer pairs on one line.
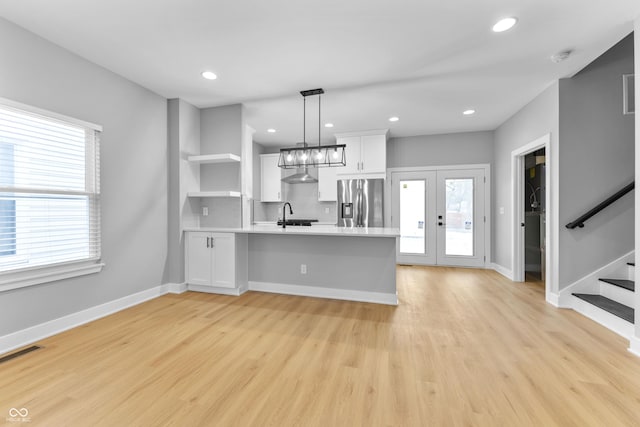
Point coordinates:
[[304, 201]]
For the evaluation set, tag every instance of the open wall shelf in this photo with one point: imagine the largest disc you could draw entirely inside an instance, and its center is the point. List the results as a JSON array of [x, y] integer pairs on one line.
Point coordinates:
[[214, 194], [214, 158]]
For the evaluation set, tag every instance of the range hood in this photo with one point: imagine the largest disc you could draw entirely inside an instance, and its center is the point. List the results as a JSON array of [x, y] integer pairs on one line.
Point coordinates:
[[301, 177]]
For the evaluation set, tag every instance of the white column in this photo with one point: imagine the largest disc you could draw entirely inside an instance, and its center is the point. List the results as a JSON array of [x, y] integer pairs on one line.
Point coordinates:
[[635, 340]]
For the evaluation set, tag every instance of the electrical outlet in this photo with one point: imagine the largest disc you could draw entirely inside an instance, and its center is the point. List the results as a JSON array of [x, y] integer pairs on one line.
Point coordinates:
[[326, 210], [205, 211], [303, 268]]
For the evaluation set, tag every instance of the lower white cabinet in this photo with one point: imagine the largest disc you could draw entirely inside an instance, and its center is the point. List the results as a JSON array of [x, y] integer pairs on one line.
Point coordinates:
[[216, 261]]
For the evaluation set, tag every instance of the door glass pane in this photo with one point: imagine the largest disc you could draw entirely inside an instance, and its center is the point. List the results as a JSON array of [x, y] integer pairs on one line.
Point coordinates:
[[459, 221], [412, 217]]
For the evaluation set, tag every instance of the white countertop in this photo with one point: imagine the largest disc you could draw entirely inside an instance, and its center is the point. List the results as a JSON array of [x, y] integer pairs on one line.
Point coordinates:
[[314, 230]]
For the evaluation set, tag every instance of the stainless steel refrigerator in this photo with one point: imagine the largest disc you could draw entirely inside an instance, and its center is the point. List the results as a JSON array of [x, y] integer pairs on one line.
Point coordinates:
[[360, 202]]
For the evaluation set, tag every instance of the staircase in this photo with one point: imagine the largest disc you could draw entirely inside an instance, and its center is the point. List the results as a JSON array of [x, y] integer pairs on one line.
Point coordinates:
[[612, 305]]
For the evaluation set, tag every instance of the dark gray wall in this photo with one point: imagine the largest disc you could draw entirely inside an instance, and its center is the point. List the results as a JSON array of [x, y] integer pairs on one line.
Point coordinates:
[[596, 160], [133, 168], [440, 150]]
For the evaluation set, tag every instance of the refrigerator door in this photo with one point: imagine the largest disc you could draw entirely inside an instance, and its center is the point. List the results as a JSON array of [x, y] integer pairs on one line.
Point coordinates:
[[347, 204], [360, 203], [371, 206]]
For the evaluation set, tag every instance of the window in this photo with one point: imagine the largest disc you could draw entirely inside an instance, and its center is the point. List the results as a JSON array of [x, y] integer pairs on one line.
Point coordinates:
[[49, 196]]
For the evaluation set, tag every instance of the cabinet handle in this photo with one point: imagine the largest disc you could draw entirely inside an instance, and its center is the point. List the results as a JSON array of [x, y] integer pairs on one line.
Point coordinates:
[[207, 242], [212, 242], [318, 194], [278, 195]]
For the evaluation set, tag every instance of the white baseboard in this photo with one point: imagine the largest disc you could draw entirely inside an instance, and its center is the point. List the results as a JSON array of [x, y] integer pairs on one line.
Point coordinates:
[[175, 288], [217, 290], [43, 330], [322, 292], [589, 283], [552, 298], [502, 270], [634, 345]]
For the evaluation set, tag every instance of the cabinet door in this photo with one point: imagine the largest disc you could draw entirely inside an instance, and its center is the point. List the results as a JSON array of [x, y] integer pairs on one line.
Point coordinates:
[[328, 184], [198, 258], [224, 256], [270, 174], [373, 154], [352, 154]]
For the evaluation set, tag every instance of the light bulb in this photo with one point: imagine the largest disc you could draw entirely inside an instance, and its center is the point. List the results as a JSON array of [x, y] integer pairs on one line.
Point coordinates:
[[304, 156], [319, 155], [335, 153], [289, 157]]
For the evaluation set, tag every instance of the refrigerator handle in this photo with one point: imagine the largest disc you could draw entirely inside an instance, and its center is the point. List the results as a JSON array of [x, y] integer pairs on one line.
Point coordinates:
[[360, 203]]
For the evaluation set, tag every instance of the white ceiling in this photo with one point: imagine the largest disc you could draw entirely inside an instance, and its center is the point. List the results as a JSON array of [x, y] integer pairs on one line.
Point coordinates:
[[424, 61]]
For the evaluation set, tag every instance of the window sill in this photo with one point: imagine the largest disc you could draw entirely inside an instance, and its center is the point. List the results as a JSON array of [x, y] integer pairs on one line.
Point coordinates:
[[22, 279]]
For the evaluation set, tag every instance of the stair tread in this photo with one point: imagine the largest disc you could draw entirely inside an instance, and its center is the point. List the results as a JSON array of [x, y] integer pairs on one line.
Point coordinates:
[[622, 311], [623, 283]]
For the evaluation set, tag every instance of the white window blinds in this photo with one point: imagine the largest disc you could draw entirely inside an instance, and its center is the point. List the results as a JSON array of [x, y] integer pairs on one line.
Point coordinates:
[[49, 190]]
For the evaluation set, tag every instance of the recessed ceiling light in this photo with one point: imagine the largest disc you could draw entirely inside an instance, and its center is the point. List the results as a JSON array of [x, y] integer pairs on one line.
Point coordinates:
[[272, 130], [394, 119], [328, 125], [504, 24], [468, 112], [209, 75]]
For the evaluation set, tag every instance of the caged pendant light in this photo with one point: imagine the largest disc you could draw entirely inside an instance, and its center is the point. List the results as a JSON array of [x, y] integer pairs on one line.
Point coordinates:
[[304, 155]]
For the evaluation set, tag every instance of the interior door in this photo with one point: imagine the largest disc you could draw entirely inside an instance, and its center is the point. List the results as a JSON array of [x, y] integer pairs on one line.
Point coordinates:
[[460, 217], [414, 213]]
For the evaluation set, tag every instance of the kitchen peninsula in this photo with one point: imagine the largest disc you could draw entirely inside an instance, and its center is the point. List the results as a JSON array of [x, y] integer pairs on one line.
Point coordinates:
[[356, 264]]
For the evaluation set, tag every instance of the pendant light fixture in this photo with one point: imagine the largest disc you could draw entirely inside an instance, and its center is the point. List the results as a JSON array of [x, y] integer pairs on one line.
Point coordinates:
[[305, 155]]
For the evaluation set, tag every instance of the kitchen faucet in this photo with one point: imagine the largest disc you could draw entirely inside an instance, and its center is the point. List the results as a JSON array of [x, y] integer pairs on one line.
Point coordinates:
[[284, 214]]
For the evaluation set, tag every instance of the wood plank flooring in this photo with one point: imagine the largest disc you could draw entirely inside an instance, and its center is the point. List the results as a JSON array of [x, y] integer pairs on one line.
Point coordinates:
[[465, 347]]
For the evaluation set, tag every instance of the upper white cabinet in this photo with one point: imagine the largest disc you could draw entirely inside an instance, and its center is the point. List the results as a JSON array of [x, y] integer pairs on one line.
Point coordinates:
[[328, 184], [366, 154], [270, 175]]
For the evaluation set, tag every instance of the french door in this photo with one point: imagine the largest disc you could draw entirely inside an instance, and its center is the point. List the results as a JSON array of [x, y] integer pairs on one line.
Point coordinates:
[[441, 216]]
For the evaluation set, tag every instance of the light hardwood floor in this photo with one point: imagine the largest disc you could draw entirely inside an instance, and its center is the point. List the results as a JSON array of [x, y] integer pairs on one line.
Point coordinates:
[[464, 347]]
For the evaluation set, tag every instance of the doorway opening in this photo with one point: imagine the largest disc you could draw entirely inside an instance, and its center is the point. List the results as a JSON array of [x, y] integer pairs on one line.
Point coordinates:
[[534, 180]]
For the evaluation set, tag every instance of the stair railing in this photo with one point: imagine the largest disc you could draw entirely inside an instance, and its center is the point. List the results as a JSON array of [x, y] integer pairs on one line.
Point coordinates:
[[579, 222]]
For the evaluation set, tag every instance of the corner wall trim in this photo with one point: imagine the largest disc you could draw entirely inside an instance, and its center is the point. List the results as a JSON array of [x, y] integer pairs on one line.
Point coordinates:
[[634, 345], [502, 270], [322, 292], [44, 330]]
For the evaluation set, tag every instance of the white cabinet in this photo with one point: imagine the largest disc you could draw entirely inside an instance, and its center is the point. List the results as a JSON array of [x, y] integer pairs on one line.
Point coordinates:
[[270, 175], [366, 154], [328, 184], [215, 260]]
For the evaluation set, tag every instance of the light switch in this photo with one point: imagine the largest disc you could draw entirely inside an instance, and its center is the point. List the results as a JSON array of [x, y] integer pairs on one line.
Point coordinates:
[[205, 211], [501, 210], [326, 210]]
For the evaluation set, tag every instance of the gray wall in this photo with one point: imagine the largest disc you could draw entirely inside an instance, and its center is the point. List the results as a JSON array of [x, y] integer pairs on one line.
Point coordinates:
[[133, 167], [329, 260], [221, 132], [440, 150], [596, 160], [534, 120], [183, 141]]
